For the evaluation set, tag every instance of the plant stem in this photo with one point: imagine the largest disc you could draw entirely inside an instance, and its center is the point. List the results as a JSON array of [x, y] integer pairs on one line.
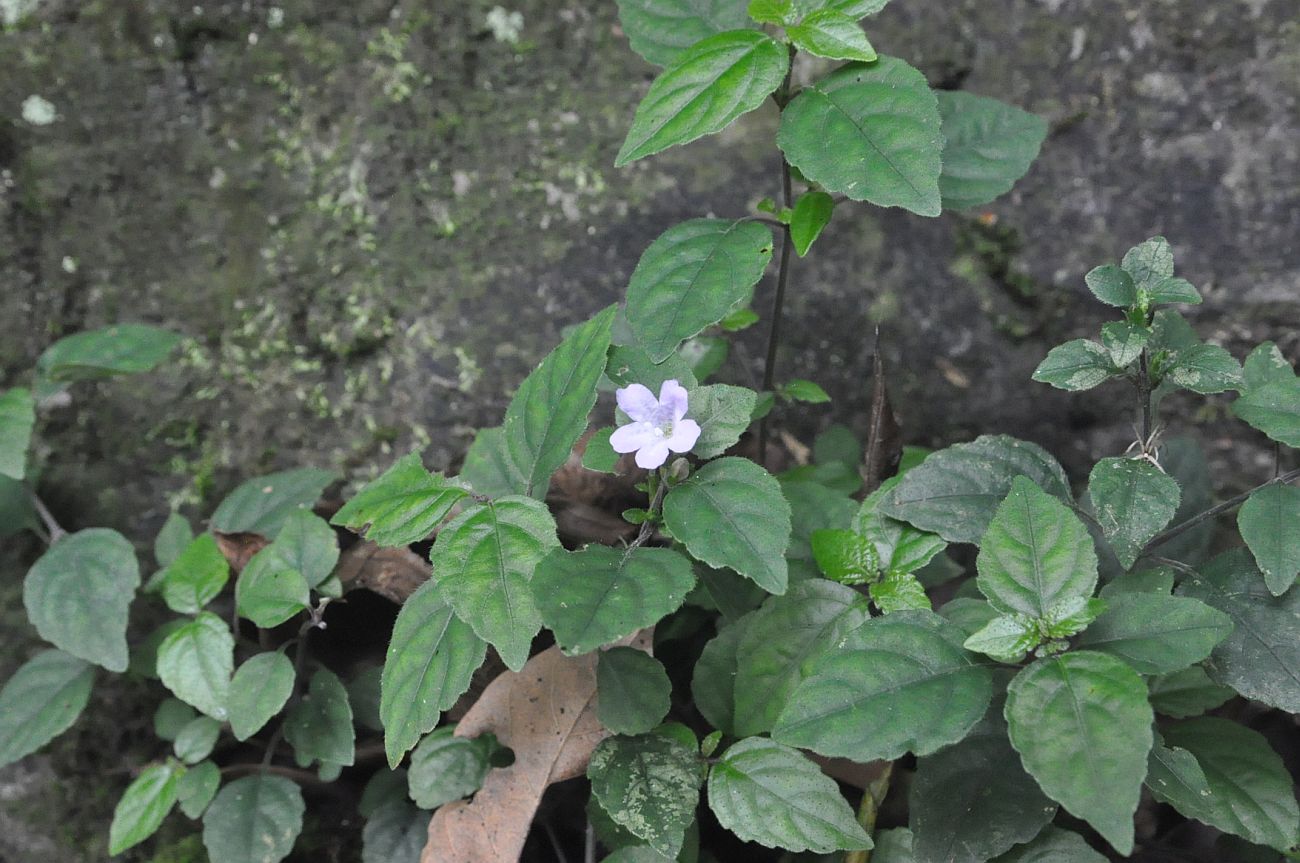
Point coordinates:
[[660, 483], [299, 663], [52, 527], [1228, 504], [1144, 397], [872, 796]]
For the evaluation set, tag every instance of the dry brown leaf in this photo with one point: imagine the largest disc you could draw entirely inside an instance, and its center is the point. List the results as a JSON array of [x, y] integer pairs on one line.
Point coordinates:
[[884, 437], [239, 548], [393, 573], [546, 713]]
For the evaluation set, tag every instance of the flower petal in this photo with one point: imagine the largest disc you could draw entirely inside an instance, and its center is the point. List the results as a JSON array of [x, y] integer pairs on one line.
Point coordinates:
[[672, 397], [652, 456], [637, 401], [685, 434], [632, 437]]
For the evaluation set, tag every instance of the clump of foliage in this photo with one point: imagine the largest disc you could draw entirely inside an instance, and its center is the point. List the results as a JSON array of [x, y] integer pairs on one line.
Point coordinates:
[[1084, 663]]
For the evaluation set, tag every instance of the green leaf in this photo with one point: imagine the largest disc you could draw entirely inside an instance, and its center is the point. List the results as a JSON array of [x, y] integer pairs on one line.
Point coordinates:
[[1076, 365], [1172, 290], [871, 132], [899, 591], [649, 785], [633, 691], [1250, 792], [1053, 845], [258, 691], [484, 560], [739, 319], [1266, 365], [143, 806], [197, 786], [1133, 500], [955, 491], [1071, 616], [1205, 369], [446, 768], [1150, 262], [395, 833], [1124, 341], [631, 364], [1082, 726], [488, 468], [972, 801], [1261, 658], [770, 794], [713, 684], [403, 505], [171, 716], [1274, 409], [78, 595], [307, 545], [253, 820], [813, 507], [704, 90], [661, 30], [1157, 634], [41, 701], [549, 411], [845, 556], [195, 577], [731, 513], [1006, 638], [261, 505], [195, 662], [812, 213], [17, 419], [691, 277], [831, 34], [16, 512], [1112, 285], [804, 391], [900, 683], [723, 413], [319, 727], [1270, 524], [124, 349], [172, 539], [1188, 692], [779, 640], [600, 594], [598, 455], [893, 846], [1035, 553], [431, 659], [989, 145], [898, 546], [772, 11], [196, 740], [268, 593]]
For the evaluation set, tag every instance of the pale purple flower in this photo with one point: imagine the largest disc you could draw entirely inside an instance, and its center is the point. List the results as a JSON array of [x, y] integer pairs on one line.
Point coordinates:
[[658, 425]]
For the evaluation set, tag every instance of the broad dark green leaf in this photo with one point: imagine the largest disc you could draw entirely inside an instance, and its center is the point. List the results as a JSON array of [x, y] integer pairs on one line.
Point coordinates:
[[1250, 792], [632, 689], [989, 145], [1269, 522], [660, 30], [1261, 658], [171, 716], [900, 683], [704, 355], [1006, 638], [955, 491], [731, 513], [599, 594], [770, 794], [319, 726], [1035, 553], [307, 545], [1112, 285], [1053, 845], [649, 785], [1077, 365], [403, 505], [123, 349], [195, 577], [1189, 692], [1266, 365], [703, 90], [1149, 262], [845, 556], [691, 277], [1133, 499], [17, 418], [598, 455], [713, 684], [1124, 341], [253, 820], [16, 511], [631, 364], [195, 662], [1274, 409], [268, 592], [812, 213], [41, 701], [778, 642], [813, 507], [972, 801], [431, 658], [143, 806], [1205, 369], [549, 410], [1082, 726], [1157, 634], [172, 538], [898, 546], [853, 8], [1172, 290], [258, 690], [871, 132], [893, 846], [446, 768], [488, 468], [831, 34], [196, 740], [261, 505], [723, 412], [383, 787], [78, 595], [197, 787], [484, 560], [395, 832]]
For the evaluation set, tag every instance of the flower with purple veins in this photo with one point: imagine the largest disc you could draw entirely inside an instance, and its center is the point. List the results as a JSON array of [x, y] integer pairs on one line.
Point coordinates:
[[658, 426]]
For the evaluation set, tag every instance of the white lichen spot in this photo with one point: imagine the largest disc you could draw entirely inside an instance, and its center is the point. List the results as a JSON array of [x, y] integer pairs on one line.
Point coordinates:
[[505, 26], [69, 264], [38, 111]]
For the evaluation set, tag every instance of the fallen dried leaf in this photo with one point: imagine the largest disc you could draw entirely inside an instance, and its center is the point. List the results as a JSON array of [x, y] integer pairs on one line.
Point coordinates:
[[884, 437], [239, 548], [393, 573]]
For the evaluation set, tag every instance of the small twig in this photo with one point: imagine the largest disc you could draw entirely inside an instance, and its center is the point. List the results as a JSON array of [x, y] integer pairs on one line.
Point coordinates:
[[589, 844], [647, 527], [299, 663], [52, 527], [778, 302], [1165, 536], [1176, 564], [555, 842], [872, 796], [298, 775]]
